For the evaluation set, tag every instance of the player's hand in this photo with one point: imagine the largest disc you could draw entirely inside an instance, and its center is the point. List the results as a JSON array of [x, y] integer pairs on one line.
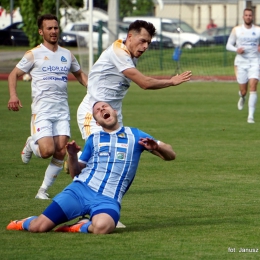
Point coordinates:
[[183, 77], [14, 104], [72, 148], [240, 50], [148, 143]]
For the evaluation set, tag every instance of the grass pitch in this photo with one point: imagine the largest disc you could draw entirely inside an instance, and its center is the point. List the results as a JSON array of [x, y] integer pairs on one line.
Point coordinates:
[[203, 205]]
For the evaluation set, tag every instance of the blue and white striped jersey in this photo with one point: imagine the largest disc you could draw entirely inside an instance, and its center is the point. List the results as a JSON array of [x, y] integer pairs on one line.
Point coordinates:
[[112, 160]]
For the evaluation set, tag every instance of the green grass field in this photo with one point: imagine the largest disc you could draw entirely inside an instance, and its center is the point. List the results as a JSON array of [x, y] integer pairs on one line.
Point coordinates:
[[200, 206]]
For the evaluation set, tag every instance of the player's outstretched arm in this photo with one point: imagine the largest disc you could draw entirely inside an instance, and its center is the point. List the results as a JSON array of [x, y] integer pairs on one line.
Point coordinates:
[[146, 82], [14, 103], [159, 149], [74, 165]]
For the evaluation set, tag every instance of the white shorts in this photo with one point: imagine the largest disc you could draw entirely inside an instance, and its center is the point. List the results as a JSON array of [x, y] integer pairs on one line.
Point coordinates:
[[246, 72], [50, 119], [87, 124]]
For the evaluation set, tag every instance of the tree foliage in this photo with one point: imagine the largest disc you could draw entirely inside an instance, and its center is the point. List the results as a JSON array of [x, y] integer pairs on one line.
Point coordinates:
[[137, 8], [30, 11], [143, 7], [125, 8]]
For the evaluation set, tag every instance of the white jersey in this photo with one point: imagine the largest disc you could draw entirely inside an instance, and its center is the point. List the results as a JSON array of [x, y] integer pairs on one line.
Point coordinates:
[[106, 81], [49, 71], [249, 40]]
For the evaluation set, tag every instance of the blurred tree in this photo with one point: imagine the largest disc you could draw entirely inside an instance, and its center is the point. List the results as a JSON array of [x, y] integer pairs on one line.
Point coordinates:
[[32, 9], [125, 8], [143, 8], [135, 8], [17, 3]]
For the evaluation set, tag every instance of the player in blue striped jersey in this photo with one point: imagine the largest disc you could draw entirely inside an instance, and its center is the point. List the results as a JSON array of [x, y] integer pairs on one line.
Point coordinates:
[[101, 177]]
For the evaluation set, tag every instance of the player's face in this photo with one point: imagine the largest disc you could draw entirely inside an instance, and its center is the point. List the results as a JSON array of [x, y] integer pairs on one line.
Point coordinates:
[[248, 17], [105, 116], [50, 31], [137, 43]]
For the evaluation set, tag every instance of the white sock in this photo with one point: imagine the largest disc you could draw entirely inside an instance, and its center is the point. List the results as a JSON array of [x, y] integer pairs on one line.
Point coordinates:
[[51, 173], [35, 149], [252, 104]]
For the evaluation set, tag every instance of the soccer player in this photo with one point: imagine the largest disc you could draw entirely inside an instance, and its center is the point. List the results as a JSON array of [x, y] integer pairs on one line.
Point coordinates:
[[102, 175], [49, 65], [244, 40], [111, 75]]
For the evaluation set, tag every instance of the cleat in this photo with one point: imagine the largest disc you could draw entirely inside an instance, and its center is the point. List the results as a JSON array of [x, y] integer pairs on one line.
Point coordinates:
[[72, 228], [42, 194], [241, 103], [27, 152], [250, 120], [120, 225], [16, 224]]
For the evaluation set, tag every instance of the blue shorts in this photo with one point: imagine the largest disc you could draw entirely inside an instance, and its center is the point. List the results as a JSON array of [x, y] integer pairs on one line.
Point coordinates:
[[77, 199]]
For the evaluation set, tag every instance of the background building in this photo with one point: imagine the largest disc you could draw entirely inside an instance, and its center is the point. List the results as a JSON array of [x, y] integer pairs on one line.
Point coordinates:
[[198, 13]]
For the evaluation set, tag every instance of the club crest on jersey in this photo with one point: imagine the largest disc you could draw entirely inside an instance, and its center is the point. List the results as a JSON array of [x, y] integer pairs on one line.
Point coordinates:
[[253, 33], [122, 135], [63, 59], [120, 156]]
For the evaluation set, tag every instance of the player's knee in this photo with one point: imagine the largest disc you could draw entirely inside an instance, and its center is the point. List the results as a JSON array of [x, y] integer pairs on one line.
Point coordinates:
[[47, 153], [60, 154], [103, 227], [243, 92]]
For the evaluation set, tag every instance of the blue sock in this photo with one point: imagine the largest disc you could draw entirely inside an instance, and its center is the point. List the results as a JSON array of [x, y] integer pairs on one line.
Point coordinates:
[[84, 228], [27, 222]]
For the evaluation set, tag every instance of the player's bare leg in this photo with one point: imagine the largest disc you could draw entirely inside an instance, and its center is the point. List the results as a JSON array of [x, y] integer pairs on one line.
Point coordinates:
[[57, 150], [242, 93]]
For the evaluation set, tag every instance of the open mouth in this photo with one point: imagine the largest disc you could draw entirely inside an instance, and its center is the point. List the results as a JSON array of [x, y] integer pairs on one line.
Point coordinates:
[[106, 115]]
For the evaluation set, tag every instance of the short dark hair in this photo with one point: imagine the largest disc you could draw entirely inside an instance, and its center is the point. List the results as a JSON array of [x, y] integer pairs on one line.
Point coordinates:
[[249, 9], [139, 24], [46, 17]]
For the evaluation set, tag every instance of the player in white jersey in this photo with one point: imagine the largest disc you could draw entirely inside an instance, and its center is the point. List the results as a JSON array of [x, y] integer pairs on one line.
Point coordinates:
[[244, 40], [49, 65], [111, 75], [102, 175]]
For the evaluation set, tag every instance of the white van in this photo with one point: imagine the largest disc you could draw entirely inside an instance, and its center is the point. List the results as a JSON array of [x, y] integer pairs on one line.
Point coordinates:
[[81, 28], [181, 33]]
